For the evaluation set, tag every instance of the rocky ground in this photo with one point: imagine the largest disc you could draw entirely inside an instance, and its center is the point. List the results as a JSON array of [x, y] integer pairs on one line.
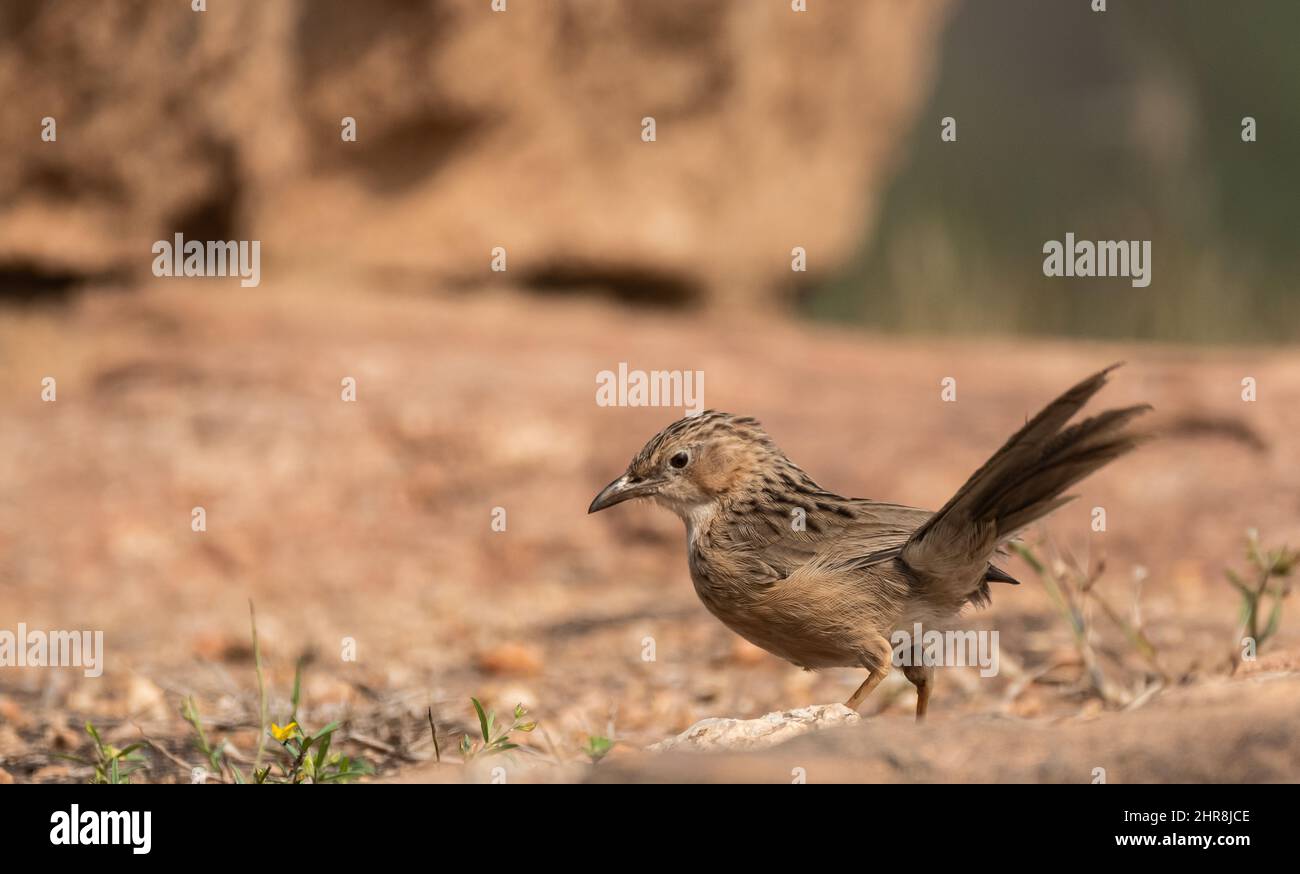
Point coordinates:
[[373, 521]]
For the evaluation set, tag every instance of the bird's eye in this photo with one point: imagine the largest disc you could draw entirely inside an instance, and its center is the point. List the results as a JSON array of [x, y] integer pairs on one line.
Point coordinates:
[[680, 460]]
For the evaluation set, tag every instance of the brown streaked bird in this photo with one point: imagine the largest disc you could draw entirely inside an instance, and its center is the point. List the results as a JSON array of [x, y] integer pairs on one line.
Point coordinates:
[[831, 594]]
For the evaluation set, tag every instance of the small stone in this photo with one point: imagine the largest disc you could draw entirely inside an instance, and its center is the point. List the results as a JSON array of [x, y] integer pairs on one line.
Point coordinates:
[[323, 690], [216, 646], [144, 699], [749, 734], [12, 712], [11, 744], [63, 739], [510, 658]]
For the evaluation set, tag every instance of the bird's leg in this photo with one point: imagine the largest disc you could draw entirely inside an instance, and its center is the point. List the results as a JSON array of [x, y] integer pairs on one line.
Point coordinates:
[[876, 659], [922, 700], [923, 679], [872, 681]]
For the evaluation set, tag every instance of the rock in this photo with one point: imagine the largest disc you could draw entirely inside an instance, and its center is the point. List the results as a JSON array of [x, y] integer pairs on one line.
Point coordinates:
[[5, 777], [219, 646], [323, 690], [774, 129], [60, 738], [510, 658], [12, 712], [11, 744], [750, 734], [144, 699]]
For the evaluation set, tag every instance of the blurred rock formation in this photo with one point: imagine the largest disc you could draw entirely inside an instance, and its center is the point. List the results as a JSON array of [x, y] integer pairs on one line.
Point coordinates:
[[475, 129]]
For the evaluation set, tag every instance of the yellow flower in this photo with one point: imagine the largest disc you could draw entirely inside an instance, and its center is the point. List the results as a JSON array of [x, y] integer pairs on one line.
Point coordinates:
[[283, 734]]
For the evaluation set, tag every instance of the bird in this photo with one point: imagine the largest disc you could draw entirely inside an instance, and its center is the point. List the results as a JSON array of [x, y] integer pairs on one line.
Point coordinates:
[[821, 580]]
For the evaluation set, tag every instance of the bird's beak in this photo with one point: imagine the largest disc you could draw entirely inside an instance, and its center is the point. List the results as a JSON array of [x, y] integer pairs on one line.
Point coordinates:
[[622, 489]]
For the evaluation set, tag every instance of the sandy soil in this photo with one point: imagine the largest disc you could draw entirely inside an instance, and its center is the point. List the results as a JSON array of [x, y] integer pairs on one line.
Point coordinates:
[[373, 521]]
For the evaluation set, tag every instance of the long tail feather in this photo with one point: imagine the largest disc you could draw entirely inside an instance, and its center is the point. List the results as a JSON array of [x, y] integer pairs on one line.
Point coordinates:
[[1021, 483]]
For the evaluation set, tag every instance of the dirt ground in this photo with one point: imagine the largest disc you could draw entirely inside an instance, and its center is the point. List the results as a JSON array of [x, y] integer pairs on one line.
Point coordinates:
[[372, 520]]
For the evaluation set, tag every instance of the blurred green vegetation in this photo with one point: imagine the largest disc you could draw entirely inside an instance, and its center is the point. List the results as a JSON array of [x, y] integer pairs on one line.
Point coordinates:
[[1122, 125]]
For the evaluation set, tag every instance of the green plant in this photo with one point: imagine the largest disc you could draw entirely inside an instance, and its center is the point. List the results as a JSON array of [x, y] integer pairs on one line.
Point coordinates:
[[494, 741], [262, 709], [1072, 588], [214, 755], [303, 765], [112, 766], [597, 748], [1267, 566], [307, 757], [300, 758]]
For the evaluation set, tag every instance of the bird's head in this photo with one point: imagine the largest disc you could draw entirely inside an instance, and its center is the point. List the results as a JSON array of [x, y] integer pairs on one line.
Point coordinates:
[[695, 462]]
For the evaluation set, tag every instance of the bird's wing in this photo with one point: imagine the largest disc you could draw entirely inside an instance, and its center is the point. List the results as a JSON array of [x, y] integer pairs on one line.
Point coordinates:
[[891, 528], [879, 535], [837, 531], [767, 546], [845, 534]]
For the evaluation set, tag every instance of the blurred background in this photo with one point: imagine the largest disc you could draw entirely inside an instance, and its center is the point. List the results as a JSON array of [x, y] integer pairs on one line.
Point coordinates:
[[1117, 125], [522, 129]]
